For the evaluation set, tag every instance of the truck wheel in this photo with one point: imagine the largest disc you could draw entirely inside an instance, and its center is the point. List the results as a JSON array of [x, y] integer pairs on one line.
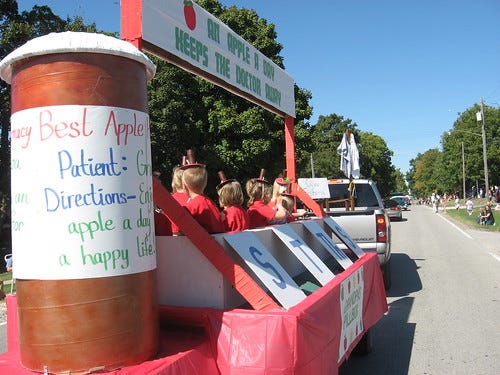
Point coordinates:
[[365, 345], [386, 274]]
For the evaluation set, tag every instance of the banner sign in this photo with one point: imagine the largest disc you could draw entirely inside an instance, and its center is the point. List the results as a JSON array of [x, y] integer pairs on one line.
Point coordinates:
[[68, 166], [351, 309], [187, 31]]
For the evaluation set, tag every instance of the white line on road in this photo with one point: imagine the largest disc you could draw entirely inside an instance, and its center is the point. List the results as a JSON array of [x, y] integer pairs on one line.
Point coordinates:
[[457, 228]]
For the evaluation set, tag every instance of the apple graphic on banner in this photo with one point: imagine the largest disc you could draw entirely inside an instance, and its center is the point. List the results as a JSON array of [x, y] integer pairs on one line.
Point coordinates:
[[189, 14]]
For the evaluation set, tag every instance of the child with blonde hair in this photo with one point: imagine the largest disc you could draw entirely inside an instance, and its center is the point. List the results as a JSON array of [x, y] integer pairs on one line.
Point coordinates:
[[280, 185], [288, 203], [201, 207], [260, 214], [178, 193], [231, 199]]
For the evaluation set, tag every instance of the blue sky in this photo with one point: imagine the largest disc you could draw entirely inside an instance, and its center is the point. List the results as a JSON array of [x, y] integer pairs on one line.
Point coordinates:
[[400, 69]]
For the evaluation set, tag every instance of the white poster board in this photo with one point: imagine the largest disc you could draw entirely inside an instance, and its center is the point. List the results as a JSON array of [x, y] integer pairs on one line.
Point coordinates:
[[190, 33], [266, 268], [81, 192], [318, 232], [303, 253], [317, 188]]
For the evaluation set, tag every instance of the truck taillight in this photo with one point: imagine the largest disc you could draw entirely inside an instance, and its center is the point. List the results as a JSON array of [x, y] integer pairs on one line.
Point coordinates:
[[381, 228]]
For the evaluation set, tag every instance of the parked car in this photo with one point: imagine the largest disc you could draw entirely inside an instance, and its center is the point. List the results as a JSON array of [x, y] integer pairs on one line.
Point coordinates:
[[393, 209]]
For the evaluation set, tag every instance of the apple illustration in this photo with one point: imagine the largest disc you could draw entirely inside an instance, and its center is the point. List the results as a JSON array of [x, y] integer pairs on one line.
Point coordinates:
[[189, 14]]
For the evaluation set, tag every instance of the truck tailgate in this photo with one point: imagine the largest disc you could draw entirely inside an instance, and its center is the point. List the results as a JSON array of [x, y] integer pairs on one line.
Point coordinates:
[[359, 225]]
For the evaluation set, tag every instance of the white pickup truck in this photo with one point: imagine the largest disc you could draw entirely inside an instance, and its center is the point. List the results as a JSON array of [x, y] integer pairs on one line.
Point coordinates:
[[363, 218]]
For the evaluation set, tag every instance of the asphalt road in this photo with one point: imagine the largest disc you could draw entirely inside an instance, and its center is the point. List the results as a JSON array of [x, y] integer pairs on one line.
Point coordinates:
[[444, 304]]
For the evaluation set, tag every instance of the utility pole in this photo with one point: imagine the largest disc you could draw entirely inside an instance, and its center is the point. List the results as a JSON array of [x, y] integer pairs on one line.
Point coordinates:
[[485, 158], [463, 170], [312, 166]]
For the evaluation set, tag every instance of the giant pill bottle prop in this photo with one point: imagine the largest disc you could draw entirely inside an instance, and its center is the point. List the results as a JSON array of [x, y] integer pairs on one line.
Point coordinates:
[[83, 237]]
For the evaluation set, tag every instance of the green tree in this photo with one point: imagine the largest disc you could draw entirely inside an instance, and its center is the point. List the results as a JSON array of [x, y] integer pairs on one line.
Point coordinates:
[[376, 161], [399, 181], [374, 155], [467, 131], [226, 131], [326, 136], [441, 171], [423, 176]]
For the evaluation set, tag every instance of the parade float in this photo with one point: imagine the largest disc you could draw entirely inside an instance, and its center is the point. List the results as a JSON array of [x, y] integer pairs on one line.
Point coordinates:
[[97, 291]]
